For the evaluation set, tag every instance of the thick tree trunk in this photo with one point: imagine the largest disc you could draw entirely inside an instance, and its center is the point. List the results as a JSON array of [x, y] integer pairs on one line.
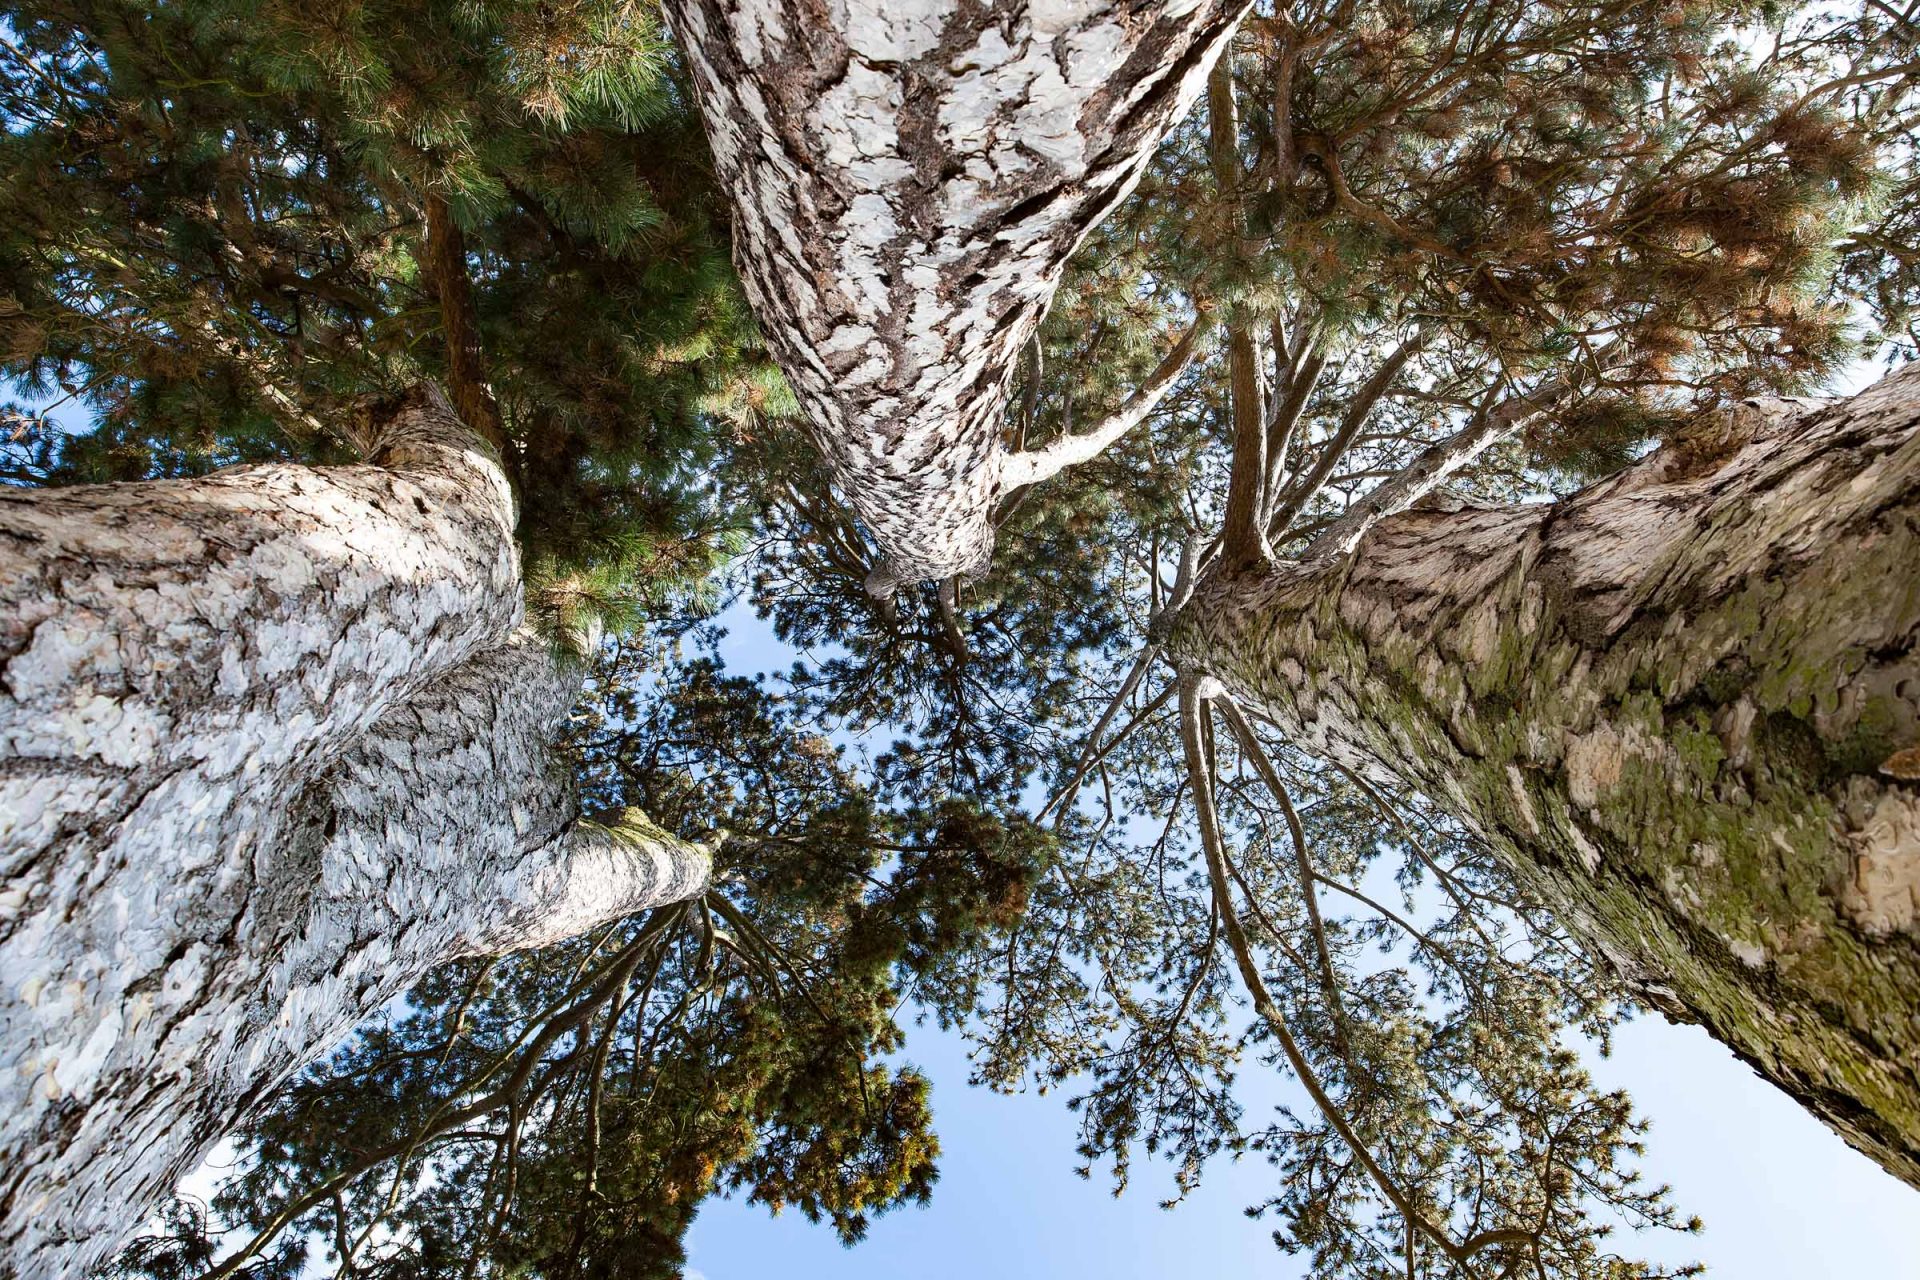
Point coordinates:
[[910, 177], [1685, 704], [272, 743]]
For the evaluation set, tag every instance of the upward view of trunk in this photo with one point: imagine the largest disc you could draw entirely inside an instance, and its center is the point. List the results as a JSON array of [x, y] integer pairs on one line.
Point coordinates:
[[272, 744], [1684, 704], [910, 178]]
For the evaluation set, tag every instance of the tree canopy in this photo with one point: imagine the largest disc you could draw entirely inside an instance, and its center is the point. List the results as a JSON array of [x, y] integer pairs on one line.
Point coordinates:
[[1506, 245], [229, 223]]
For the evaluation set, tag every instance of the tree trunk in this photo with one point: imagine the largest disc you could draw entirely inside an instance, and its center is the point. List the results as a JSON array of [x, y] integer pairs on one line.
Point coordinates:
[[1684, 704], [272, 743], [910, 178]]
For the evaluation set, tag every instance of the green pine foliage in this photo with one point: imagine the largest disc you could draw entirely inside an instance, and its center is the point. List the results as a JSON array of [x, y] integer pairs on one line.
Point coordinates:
[[732, 1045], [213, 247], [1631, 213]]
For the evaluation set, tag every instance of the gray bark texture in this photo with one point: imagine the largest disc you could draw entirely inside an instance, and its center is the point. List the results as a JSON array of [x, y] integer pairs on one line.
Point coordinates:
[[910, 177], [272, 744], [1684, 704]]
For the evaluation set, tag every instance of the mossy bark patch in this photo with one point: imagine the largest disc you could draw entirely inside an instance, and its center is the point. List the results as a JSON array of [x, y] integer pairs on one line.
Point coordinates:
[[1669, 701]]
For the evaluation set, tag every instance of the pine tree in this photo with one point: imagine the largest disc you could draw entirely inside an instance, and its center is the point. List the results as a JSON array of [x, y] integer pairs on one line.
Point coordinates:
[[564, 1112], [1515, 247], [228, 222], [249, 233]]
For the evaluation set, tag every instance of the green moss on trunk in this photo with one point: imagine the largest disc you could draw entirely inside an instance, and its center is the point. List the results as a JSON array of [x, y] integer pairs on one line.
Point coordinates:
[[1667, 701]]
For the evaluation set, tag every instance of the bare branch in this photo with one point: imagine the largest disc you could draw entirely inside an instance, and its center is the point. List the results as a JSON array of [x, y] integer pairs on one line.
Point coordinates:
[[1303, 863], [1036, 465], [1214, 846], [1283, 419], [1091, 757], [1428, 471], [1350, 427]]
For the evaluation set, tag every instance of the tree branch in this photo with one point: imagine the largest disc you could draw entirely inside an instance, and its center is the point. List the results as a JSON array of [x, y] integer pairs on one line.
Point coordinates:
[[619, 971], [1283, 420], [595, 872], [1428, 471], [446, 263], [1319, 151], [949, 597], [1091, 757], [1243, 539], [1214, 847], [1351, 425], [1303, 864], [1036, 465]]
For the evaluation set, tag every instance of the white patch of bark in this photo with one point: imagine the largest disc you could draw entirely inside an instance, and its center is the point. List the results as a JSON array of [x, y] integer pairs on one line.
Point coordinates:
[[1882, 893], [910, 179], [272, 744]]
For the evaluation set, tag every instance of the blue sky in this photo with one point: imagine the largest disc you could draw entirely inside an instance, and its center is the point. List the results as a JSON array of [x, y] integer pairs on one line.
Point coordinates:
[[1782, 1196]]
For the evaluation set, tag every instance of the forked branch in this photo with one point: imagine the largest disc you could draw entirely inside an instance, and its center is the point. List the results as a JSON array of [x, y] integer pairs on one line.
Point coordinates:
[[1432, 467], [1192, 707], [613, 979], [1359, 410], [1303, 861]]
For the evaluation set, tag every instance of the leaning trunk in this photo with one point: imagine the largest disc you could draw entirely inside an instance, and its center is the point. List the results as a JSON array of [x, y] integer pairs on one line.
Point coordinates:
[[1685, 706], [272, 743], [911, 177]]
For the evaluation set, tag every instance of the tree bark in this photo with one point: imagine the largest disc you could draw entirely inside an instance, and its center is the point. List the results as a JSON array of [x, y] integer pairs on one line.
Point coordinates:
[[1684, 704], [272, 744], [910, 178]]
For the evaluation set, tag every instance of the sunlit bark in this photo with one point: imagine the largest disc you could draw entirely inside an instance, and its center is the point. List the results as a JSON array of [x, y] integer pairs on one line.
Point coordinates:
[[272, 743], [1685, 705], [910, 178]]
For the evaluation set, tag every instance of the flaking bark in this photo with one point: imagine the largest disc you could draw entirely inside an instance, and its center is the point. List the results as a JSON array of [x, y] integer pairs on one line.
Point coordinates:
[[1677, 703], [910, 177], [272, 743]]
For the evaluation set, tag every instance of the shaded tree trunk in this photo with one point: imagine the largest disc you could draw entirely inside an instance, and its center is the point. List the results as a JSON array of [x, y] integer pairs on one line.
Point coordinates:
[[1684, 705], [272, 744], [911, 177]]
